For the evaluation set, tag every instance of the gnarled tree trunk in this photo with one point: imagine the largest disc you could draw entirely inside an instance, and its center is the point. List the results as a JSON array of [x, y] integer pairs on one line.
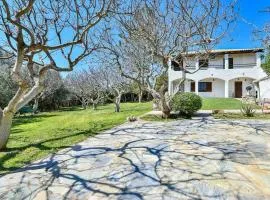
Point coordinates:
[[23, 96], [164, 105], [117, 102], [84, 103], [5, 126]]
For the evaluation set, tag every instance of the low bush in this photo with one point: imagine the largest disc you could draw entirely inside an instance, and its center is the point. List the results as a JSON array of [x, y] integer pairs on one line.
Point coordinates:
[[248, 109], [186, 103], [217, 111]]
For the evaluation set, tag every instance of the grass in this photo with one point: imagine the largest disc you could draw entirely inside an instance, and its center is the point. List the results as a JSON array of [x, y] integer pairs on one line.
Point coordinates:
[[34, 137], [221, 104], [241, 116]]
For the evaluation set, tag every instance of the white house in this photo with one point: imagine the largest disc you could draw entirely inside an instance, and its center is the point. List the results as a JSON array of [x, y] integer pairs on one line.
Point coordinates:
[[224, 73]]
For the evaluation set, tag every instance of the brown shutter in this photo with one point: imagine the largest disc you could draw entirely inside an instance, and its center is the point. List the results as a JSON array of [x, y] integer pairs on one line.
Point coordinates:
[[230, 63], [209, 86], [192, 86]]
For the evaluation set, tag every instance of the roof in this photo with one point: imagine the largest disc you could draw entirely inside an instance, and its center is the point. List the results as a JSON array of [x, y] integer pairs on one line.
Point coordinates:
[[227, 51]]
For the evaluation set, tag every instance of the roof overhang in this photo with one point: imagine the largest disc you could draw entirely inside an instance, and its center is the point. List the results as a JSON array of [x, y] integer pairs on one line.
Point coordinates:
[[216, 52]]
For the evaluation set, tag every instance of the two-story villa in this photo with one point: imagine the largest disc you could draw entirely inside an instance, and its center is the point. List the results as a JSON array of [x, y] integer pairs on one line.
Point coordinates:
[[224, 73]]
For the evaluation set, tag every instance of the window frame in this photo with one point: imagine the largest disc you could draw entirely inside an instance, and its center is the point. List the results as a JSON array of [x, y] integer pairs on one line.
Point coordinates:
[[205, 86], [203, 63]]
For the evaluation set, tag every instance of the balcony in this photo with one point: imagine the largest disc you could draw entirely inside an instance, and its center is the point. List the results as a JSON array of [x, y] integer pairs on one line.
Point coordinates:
[[234, 66]]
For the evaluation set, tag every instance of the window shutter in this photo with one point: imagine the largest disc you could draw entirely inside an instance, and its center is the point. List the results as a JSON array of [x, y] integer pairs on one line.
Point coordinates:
[[230, 63], [209, 86], [192, 86]]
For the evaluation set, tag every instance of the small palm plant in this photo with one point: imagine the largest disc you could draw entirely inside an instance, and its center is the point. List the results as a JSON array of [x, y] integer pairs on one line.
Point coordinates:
[[248, 109]]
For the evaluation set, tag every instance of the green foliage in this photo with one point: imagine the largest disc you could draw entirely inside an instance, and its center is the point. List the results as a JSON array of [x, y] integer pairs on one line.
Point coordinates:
[[161, 80], [266, 65], [35, 136], [248, 109], [186, 103], [54, 100]]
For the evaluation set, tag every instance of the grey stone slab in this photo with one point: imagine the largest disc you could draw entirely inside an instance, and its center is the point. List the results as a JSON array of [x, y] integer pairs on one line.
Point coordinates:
[[201, 158]]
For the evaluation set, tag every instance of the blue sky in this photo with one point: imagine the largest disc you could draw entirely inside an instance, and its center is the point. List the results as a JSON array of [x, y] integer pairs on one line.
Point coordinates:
[[250, 15]]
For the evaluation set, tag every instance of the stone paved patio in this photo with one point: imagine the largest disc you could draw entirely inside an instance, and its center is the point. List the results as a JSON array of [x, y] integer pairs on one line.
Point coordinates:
[[189, 159]]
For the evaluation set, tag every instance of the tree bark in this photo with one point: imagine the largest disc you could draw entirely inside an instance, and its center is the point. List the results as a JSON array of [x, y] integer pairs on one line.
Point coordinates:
[[94, 105], [117, 102], [155, 104], [5, 126], [84, 104], [166, 110], [164, 101], [35, 106], [117, 107], [140, 95]]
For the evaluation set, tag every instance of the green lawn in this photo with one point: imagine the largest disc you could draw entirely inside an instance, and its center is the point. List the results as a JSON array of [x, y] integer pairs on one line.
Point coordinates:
[[34, 137], [221, 103]]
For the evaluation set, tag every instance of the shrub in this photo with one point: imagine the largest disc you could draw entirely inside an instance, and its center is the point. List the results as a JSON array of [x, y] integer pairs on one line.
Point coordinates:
[[217, 111], [248, 109], [186, 103], [132, 118]]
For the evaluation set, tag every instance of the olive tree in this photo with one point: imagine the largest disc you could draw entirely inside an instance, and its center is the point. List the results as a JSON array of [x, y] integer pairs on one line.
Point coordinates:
[[86, 86], [166, 28], [52, 83], [54, 35], [114, 84]]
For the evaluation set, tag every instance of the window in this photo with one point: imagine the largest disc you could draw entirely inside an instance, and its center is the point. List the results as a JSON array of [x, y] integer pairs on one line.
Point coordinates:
[[192, 86], [176, 66], [203, 63], [205, 86], [230, 63]]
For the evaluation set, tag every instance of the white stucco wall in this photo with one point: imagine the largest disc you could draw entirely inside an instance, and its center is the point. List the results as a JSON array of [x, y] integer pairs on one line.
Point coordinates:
[[250, 73], [245, 82], [264, 88], [253, 72], [218, 88], [247, 58]]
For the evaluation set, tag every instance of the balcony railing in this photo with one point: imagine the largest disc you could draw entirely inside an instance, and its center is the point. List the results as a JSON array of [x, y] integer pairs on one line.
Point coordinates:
[[235, 66]]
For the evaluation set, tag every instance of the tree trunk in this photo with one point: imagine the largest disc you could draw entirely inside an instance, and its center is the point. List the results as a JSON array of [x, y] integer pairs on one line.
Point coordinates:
[[140, 95], [5, 126], [164, 101], [117, 102], [117, 107], [94, 105], [165, 108], [181, 87], [35, 106], [84, 104], [155, 104]]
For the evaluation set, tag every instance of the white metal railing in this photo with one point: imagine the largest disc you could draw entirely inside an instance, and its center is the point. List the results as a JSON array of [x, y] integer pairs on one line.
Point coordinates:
[[235, 66]]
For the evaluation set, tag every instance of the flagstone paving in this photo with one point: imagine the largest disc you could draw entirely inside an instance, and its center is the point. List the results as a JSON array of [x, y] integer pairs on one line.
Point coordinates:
[[188, 159]]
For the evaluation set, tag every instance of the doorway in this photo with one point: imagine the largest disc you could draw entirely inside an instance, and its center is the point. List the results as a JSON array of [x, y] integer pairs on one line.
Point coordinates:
[[238, 89]]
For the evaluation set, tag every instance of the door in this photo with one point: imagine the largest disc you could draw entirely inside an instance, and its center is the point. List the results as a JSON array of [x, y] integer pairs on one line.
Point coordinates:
[[238, 89]]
